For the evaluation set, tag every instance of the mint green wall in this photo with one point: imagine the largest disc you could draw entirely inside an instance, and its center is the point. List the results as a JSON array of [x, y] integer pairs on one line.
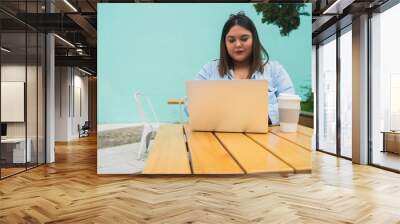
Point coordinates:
[[154, 48]]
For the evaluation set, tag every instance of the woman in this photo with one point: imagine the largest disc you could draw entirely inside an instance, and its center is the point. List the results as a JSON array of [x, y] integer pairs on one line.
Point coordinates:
[[241, 57]]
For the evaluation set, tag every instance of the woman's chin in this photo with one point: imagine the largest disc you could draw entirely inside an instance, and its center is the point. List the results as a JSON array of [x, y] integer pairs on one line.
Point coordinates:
[[240, 59]]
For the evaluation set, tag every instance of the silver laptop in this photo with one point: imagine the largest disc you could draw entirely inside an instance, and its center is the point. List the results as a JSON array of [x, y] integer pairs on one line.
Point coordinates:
[[228, 105]]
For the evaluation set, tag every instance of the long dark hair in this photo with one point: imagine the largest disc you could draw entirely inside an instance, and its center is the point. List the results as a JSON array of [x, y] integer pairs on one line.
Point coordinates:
[[256, 59]]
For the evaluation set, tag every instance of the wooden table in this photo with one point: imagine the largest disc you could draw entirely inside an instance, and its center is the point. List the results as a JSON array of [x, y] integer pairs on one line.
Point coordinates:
[[178, 150], [391, 141]]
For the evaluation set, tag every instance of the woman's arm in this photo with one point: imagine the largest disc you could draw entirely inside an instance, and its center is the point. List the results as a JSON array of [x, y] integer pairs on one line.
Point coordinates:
[[283, 81], [204, 73], [208, 71]]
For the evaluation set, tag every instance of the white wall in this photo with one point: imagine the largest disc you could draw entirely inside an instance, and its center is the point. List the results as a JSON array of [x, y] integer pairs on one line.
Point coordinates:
[[62, 81], [12, 73], [33, 127], [81, 84], [70, 83]]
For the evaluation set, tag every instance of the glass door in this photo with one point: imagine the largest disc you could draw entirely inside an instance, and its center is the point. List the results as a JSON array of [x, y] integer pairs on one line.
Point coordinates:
[[385, 90], [346, 93], [22, 76], [327, 96], [14, 154]]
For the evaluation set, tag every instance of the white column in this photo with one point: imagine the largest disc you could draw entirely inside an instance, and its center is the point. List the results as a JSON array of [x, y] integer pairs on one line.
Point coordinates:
[[314, 91], [360, 90], [50, 92], [50, 100]]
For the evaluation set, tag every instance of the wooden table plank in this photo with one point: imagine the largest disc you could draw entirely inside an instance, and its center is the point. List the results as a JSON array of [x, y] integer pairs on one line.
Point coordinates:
[[294, 155], [251, 156], [208, 156], [305, 130], [295, 137], [168, 155]]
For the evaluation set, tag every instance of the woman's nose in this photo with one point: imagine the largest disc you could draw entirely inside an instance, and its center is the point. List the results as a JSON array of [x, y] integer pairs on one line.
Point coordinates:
[[238, 44]]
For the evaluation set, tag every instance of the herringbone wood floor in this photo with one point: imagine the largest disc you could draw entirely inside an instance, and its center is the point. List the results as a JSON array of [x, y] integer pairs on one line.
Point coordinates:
[[70, 191]]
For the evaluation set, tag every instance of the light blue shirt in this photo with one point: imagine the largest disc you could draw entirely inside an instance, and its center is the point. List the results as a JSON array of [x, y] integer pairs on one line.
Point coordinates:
[[278, 82]]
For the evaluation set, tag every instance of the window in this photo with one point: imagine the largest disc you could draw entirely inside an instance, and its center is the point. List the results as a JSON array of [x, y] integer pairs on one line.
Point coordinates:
[[346, 93], [327, 96], [385, 89]]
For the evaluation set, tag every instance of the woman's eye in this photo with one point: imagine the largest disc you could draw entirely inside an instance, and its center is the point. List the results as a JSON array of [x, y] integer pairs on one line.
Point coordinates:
[[231, 40], [244, 38]]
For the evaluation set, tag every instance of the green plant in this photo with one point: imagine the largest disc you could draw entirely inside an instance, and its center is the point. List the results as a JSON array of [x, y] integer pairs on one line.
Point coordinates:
[[308, 104], [285, 16]]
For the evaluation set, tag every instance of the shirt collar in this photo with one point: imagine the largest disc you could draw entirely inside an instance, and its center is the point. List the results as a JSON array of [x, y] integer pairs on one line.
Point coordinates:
[[229, 75]]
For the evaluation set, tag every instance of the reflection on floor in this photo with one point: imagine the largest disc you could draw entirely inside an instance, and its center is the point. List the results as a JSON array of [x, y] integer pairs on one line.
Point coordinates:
[[10, 171], [387, 159], [346, 152]]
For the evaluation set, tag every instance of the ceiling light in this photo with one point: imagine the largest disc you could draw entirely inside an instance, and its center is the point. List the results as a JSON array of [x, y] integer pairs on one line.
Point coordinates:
[[332, 8], [84, 71], [79, 51], [65, 41], [337, 7], [5, 50], [70, 5]]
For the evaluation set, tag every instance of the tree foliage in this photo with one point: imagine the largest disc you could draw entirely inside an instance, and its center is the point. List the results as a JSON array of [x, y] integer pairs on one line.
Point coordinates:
[[285, 16]]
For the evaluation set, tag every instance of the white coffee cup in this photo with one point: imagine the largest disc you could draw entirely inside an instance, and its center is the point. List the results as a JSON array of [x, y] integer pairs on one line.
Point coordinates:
[[289, 111]]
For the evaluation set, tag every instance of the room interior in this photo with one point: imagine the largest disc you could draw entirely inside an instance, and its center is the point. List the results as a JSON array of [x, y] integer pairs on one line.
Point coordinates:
[[48, 173]]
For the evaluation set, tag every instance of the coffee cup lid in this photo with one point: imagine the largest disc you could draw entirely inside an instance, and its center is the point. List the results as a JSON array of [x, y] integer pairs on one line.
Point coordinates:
[[289, 96]]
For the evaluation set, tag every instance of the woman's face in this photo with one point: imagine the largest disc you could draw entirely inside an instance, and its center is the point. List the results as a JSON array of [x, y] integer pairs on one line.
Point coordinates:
[[239, 43]]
